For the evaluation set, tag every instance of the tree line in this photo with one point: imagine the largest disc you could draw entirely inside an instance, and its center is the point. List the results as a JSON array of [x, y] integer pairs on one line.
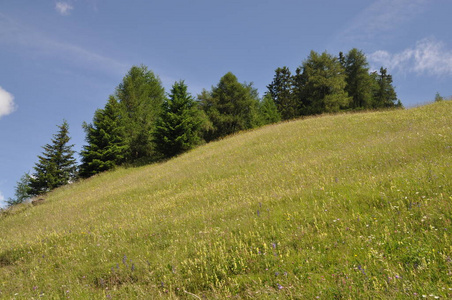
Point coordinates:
[[139, 124]]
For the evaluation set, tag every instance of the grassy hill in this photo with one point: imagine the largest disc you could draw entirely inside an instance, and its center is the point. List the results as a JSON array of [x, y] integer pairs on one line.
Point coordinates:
[[342, 206]]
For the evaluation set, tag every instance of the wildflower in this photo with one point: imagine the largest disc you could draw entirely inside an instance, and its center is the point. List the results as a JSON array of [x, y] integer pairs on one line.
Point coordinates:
[[280, 287]]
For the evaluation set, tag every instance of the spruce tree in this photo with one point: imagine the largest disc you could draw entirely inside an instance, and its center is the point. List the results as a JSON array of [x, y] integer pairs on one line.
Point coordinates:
[[105, 137], [179, 127], [384, 95], [282, 92], [56, 166]]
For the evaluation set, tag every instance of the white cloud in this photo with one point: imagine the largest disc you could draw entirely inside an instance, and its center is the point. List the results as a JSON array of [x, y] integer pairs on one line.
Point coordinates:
[[7, 105], [428, 56], [63, 8]]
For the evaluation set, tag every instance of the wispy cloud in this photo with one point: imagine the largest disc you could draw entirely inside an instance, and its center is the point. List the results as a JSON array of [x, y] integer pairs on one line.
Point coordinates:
[[63, 8], [381, 18], [7, 105], [428, 56], [39, 44]]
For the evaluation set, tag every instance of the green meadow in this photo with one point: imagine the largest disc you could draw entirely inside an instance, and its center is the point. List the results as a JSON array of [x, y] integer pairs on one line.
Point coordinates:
[[346, 206]]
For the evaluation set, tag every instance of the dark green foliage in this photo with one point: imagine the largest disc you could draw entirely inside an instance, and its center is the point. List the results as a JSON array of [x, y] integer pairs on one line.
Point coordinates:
[[320, 85], [105, 138], [230, 106], [179, 127], [358, 79], [140, 96], [268, 112], [22, 191], [384, 95], [438, 97], [282, 92], [324, 83], [56, 166], [122, 131]]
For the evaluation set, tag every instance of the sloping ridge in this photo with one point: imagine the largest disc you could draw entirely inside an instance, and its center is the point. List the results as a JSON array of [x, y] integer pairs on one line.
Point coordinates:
[[349, 205]]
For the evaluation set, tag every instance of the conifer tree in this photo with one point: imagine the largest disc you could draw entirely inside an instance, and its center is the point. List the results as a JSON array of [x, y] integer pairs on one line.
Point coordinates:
[[358, 79], [320, 84], [268, 111], [384, 95], [179, 127], [105, 137], [56, 166], [22, 191], [282, 92], [231, 106], [140, 96]]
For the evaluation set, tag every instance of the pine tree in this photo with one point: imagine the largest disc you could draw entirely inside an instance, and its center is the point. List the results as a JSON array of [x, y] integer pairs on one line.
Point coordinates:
[[359, 81], [56, 166], [282, 92], [230, 106], [140, 96], [320, 84], [179, 127], [105, 137]]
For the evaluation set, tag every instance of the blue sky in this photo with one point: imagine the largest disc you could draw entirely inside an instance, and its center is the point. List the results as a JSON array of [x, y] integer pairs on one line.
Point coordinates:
[[61, 59]]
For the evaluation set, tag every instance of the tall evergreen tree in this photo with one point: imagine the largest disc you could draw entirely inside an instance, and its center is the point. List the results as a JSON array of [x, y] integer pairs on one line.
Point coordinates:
[[384, 95], [358, 79], [105, 137], [281, 91], [56, 166], [140, 96], [320, 84], [230, 106], [268, 111], [22, 191], [179, 127]]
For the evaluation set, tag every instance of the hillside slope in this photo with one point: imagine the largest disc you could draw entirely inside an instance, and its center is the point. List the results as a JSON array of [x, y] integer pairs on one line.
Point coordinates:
[[341, 206]]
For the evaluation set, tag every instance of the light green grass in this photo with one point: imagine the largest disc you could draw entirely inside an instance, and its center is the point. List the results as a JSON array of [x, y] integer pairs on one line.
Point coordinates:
[[350, 206]]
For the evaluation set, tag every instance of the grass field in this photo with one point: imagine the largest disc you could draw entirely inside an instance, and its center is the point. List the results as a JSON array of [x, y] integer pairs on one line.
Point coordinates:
[[349, 206]]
